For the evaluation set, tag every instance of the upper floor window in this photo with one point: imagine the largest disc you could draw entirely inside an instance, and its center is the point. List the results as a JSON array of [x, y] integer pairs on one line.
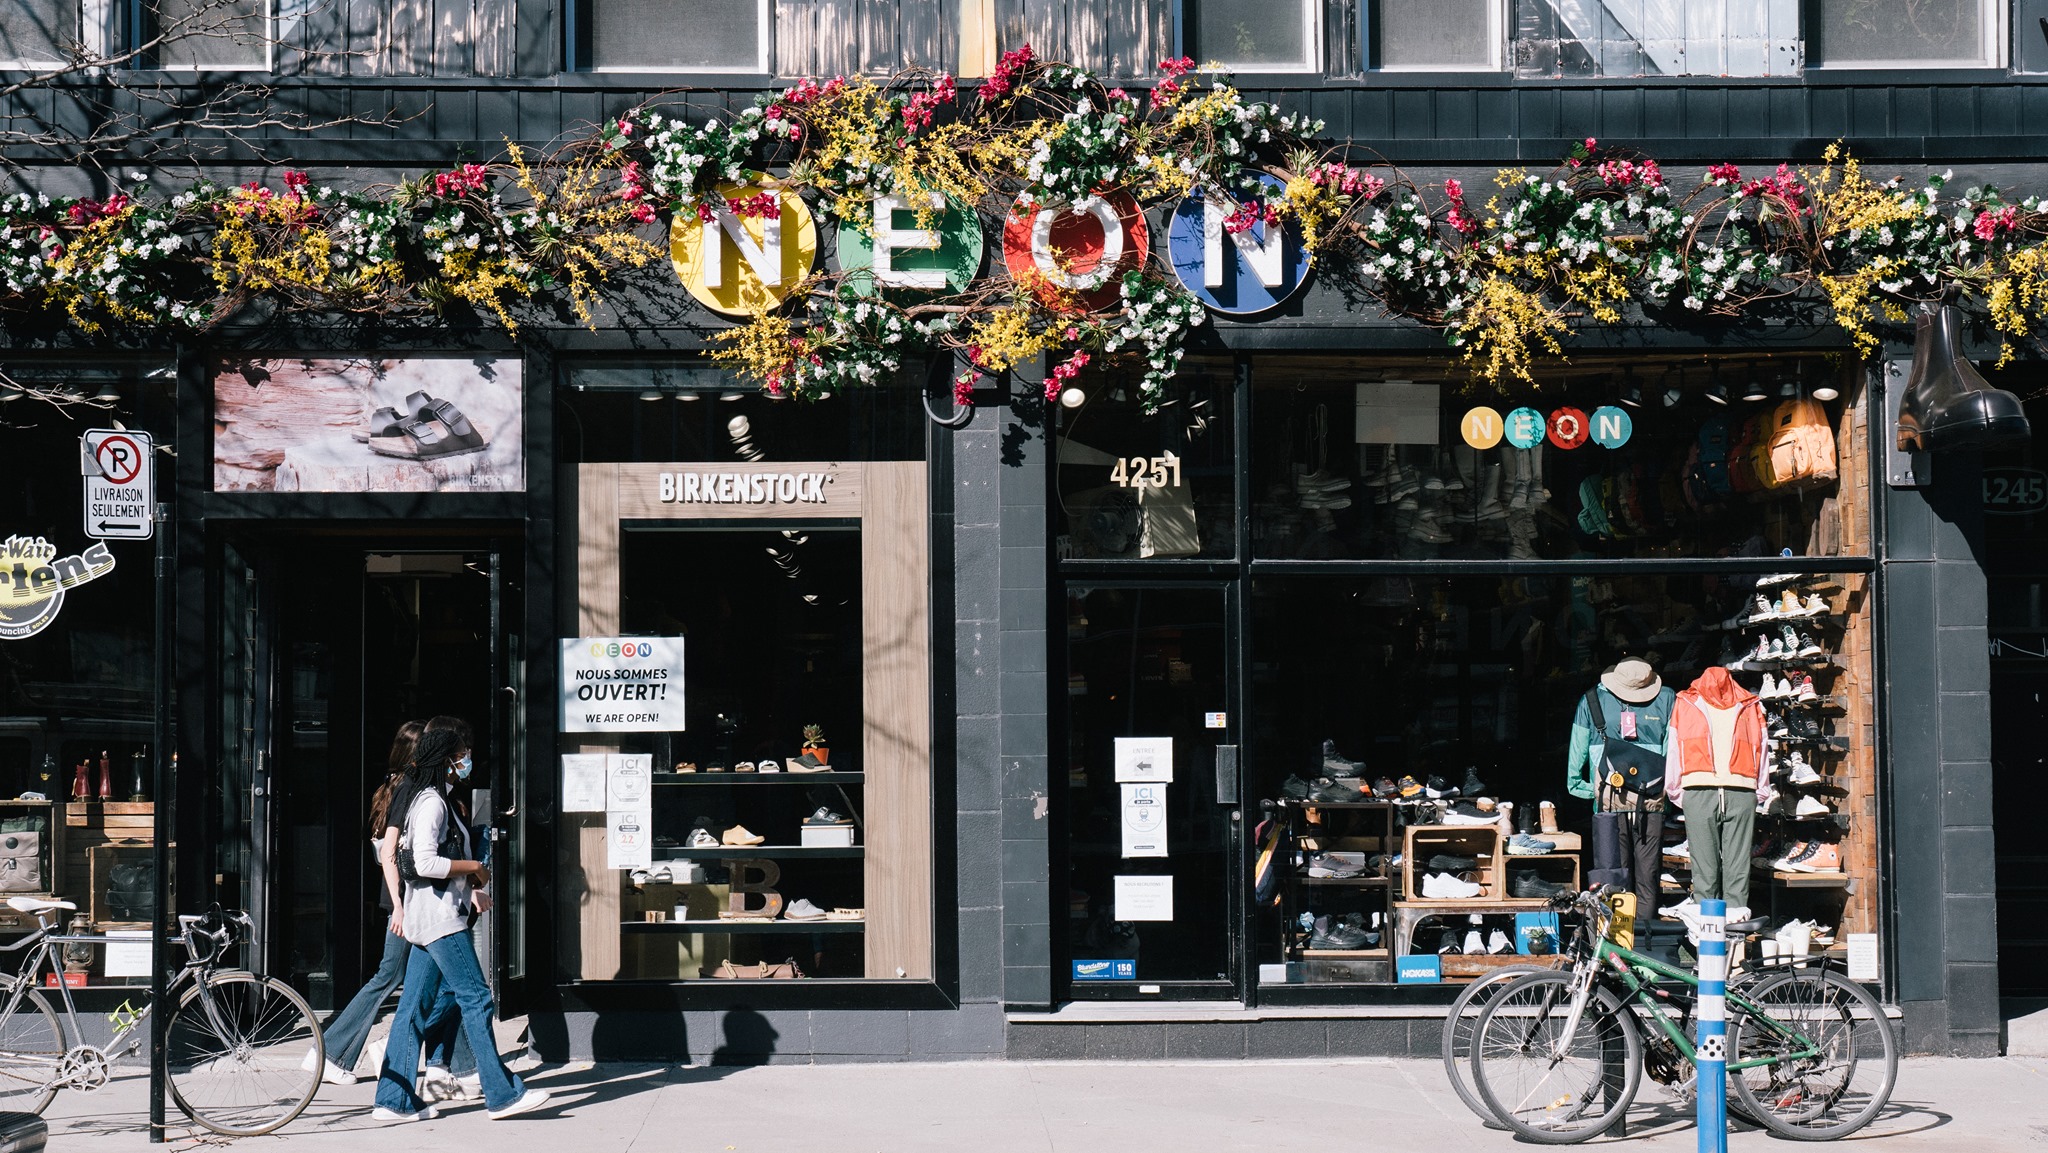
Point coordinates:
[[1585, 38], [1437, 35], [665, 36], [1904, 33], [209, 35], [37, 33], [1254, 35]]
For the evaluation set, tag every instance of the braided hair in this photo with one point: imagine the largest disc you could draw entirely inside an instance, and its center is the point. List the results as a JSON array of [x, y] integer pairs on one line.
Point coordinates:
[[424, 771]]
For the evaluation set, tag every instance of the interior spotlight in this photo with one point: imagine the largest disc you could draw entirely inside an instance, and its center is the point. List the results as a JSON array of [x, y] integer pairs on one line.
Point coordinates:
[[1674, 387], [688, 396], [1755, 391], [729, 396], [1073, 398], [107, 394], [10, 391], [650, 394], [1716, 390], [1825, 390], [1631, 392]]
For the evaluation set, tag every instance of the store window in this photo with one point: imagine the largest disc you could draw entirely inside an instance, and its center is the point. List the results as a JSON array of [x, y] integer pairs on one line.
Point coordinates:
[[1566, 39], [1397, 460], [1903, 33], [1437, 35], [213, 34], [34, 32], [653, 36], [1134, 486], [1250, 36], [777, 819]]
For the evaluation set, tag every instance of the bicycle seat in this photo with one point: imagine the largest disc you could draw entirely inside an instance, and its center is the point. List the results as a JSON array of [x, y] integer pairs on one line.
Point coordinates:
[[1743, 928], [38, 904]]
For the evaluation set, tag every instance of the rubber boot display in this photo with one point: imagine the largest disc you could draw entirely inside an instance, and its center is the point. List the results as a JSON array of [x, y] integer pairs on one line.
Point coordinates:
[[1947, 403]]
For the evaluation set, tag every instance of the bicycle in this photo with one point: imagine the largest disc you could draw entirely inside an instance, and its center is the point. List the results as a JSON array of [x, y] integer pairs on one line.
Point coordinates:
[[1558, 1056], [243, 1052]]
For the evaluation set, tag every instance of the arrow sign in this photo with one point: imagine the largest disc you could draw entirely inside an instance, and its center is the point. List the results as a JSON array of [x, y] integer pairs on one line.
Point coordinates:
[[120, 484]]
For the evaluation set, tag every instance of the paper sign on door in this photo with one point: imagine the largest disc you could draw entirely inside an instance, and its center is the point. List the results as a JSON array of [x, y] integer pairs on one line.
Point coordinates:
[[1144, 759], [1144, 820], [1144, 898], [583, 782]]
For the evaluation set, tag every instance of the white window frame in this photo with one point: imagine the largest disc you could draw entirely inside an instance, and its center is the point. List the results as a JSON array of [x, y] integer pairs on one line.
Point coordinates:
[[95, 21], [1995, 22], [1311, 40], [1497, 60], [764, 44], [268, 63]]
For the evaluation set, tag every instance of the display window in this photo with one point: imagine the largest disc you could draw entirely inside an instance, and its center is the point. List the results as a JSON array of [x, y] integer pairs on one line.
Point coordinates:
[[1468, 640], [1133, 486], [746, 774]]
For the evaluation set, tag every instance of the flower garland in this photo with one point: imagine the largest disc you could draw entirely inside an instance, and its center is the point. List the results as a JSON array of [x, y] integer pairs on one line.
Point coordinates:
[[1505, 279]]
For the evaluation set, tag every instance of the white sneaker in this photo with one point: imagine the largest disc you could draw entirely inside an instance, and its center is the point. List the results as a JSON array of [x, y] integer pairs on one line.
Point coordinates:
[[1816, 606], [394, 1117], [438, 1084], [1475, 946], [1682, 850], [1446, 887], [533, 1099], [1811, 807], [331, 1073], [1683, 910], [1498, 943], [801, 909], [1802, 773], [1769, 690]]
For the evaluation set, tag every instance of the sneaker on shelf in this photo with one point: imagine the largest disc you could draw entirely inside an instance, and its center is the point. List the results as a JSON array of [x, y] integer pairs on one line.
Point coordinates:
[[1682, 850], [1445, 887], [1524, 845], [1475, 945], [1333, 933], [1810, 807], [1789, 604], [1472, 786], [1294, 789], [1448, 863], [1383, 864], [1795, 861], [1336, 865], [1447, 945], [1524, 884], [801, 909], [1774, 649], [1798, 772], [1339, 766], [1335, 791], [1816, 606], [1768, 690], [1762, 651], [1546, 817], [1385, 789], [1825, 858], [1409, 787], [1805, 694], [1668, 879], [1809, 646], [1467, 813], [1437, 789], [1763, 610], [1499, 944], [1774, 579], [825, 818]]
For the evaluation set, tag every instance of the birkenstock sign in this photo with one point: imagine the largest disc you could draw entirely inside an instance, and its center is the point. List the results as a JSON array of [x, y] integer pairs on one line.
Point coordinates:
[[744, 487]]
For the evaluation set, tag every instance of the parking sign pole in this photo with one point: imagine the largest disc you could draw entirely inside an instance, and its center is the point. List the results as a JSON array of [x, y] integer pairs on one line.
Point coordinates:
[[1712, 1042]]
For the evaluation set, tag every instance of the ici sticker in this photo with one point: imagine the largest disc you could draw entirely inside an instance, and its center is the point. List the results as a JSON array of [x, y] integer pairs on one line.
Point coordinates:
[[900, 247], [1235, 273], [1074, 255], [1567, 427], [746, 249]]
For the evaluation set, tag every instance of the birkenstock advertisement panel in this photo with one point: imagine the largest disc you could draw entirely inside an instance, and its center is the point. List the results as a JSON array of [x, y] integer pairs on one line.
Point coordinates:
[[368, 424]]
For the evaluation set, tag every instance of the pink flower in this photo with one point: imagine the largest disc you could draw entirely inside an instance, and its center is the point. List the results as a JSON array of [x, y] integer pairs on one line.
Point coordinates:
[[963, 388], [1064, 373], [1591, 144], [1987, 225], [1724, 174], [1119, 94], [1455, 191], [1179, 67], [625, 126], [643, 213]]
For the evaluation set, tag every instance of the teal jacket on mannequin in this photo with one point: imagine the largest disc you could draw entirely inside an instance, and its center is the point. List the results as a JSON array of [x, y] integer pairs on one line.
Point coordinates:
[[1653, 728]]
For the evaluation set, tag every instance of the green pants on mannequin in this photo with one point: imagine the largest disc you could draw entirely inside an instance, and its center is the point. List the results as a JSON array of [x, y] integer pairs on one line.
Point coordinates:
[[1718, 827]]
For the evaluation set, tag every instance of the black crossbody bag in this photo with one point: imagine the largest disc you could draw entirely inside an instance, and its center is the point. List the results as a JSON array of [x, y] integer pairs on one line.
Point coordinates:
[[450, 848], [1624, 765]]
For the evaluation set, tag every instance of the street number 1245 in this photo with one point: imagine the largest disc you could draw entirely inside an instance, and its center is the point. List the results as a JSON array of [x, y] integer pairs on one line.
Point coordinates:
[[1147, 471]]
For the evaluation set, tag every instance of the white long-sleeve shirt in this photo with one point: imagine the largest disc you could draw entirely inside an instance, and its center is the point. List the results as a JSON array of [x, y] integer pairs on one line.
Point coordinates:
[[437, 905]]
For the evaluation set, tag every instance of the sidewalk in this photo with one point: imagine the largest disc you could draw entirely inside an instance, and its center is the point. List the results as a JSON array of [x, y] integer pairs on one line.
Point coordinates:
[[999, 1106]]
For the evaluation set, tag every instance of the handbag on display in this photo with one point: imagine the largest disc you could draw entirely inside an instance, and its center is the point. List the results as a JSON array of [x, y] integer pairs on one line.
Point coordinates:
[[21, 862], [764, 971], [1624, 765]]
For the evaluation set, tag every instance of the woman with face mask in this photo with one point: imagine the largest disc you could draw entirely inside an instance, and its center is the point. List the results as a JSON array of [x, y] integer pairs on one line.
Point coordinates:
[[437, 910]]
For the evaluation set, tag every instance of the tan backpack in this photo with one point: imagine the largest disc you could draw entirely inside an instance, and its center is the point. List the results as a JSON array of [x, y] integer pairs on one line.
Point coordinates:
[[1796, 446]]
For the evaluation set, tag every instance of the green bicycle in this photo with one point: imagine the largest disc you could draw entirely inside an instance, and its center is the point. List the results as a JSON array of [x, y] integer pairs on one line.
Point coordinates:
[[1558, 1056]]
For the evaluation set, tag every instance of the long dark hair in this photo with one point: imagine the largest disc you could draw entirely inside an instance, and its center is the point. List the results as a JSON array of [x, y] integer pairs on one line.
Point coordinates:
[[424, 770], [402, 743]]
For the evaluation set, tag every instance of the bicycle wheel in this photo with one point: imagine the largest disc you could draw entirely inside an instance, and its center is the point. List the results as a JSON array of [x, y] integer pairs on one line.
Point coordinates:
[[243, 1053], [32, 1049], [1832, 1093], [1546, 1091], [1463, 1019]]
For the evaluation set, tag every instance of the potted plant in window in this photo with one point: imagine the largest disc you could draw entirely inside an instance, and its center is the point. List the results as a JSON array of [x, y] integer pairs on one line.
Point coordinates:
[[814, 744]]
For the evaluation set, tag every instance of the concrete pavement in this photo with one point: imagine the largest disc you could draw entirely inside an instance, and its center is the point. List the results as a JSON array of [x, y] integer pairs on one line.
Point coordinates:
[[1049, 1107]]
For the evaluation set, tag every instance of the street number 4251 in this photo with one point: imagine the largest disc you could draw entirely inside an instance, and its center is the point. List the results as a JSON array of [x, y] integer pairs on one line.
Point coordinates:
[[1147, 471]]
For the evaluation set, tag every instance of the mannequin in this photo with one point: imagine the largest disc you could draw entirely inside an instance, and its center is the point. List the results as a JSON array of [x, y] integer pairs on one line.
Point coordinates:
[[1636, 707], [1717, 773]]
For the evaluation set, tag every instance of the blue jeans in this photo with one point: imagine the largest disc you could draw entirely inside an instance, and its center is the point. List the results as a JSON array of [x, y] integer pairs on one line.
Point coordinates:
[[450, 960], [442, 1030]]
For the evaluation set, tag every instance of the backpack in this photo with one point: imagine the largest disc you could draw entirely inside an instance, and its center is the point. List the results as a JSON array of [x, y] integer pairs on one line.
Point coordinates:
[[1796, 447], [1707, 481], [1743, 474]]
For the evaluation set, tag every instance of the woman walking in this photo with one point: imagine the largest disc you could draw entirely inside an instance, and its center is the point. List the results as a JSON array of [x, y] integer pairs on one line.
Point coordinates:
[[346, 1034], [436, 912]]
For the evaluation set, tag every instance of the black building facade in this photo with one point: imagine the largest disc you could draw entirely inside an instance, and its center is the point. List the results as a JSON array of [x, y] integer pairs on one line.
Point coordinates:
[[974, 616]]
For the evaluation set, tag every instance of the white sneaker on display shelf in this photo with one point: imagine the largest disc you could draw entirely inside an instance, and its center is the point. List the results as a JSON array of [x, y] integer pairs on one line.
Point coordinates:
[[1446, 887], [1681, 850], [1811, 807]]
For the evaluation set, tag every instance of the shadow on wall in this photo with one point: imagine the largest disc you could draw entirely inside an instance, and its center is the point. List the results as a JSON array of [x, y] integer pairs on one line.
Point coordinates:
[[749, 1039]]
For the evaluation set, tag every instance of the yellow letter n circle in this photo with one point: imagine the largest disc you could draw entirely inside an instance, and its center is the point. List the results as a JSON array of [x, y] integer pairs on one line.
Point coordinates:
[[751, 245]]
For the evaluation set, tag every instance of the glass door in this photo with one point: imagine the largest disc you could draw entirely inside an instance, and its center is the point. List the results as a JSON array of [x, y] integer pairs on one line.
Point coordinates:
[[245, 848], [1152, 806]]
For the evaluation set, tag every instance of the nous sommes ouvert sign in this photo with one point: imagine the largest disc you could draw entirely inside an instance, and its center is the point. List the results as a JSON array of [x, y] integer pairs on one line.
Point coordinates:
[[622, 684]]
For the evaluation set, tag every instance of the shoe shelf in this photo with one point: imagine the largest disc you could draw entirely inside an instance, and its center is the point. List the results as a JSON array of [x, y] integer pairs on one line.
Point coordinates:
[[1368, 826], [1793, 880], [1343, 954], [1481, 964], [755, 852], [1356, 882], [759, 778], [759, 927]]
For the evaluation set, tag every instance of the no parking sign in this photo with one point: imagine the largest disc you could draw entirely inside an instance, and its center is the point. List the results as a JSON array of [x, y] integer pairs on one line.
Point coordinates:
[[120, 484]]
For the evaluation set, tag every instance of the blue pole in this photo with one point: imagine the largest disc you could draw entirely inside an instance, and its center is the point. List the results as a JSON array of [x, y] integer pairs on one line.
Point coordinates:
[[1711, 1063]]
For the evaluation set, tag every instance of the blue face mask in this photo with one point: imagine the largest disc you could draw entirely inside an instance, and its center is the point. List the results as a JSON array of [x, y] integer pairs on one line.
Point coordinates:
[[463, 768]]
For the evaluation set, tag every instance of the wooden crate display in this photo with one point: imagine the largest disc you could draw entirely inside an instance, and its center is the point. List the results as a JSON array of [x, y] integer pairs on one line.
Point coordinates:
[[1480, 842], [103, 860]]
